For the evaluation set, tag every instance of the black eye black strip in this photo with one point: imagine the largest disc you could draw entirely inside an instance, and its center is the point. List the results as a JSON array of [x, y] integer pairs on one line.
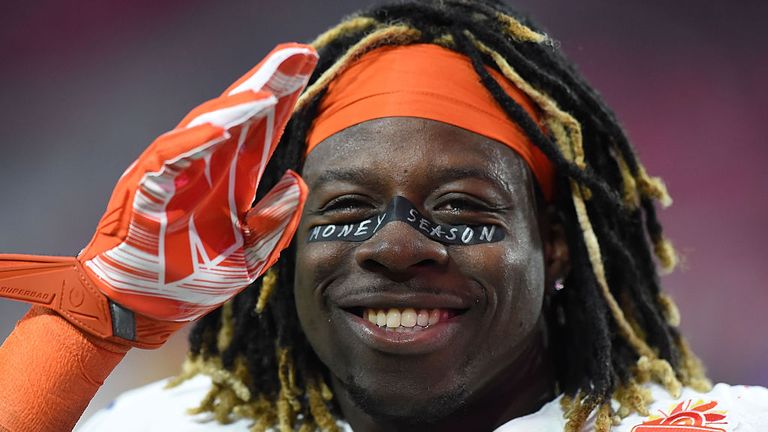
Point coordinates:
[[401, 210]]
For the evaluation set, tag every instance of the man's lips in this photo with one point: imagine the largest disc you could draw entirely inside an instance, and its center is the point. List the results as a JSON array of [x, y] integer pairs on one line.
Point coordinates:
[[401, 340], [400, 322], [411, 311], [431, 311]]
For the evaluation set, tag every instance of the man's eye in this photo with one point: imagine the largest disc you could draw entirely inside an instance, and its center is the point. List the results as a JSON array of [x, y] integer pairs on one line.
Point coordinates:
[[348, 204], [461, 205]]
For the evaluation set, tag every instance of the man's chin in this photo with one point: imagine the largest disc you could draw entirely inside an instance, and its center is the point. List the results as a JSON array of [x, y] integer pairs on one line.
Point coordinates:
[[406, 410]]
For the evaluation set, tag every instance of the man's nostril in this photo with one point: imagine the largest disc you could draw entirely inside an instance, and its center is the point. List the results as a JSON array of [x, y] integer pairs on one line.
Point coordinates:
[[399, 252]]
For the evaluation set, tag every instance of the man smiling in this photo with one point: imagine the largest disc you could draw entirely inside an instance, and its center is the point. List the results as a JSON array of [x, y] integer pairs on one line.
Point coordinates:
[[485, 324], [473, 250]]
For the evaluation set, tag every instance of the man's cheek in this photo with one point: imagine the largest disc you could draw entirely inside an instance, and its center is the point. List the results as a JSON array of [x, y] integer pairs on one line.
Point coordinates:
[[316, 261], [314, 322], [324, 339], [486, 263]]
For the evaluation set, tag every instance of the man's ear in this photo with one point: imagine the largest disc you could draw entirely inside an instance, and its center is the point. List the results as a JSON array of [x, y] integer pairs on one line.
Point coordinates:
[[557, 260]]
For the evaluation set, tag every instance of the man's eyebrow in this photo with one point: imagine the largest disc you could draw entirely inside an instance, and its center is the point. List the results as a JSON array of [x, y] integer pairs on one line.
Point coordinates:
[[349, 175], [363, 176], [446, 174]]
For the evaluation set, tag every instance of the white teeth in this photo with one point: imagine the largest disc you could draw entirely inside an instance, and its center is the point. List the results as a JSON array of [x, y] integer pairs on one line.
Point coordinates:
[[381, 318], [434, 316], [402, 319], [393, 318], [408, 318], [423, 318]]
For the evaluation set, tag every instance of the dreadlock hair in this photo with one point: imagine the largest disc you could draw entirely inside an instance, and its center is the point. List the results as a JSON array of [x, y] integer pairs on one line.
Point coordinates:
[[612, 328]]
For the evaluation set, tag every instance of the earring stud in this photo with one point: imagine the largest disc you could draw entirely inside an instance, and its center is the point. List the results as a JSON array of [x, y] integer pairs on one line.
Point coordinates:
[[559, 284]]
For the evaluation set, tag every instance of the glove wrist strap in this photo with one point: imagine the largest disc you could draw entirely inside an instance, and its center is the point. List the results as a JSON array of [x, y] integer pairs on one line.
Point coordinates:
[[61, 284]]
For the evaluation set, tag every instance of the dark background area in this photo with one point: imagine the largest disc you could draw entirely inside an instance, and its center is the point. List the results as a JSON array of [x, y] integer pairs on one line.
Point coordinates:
[[86, 85]]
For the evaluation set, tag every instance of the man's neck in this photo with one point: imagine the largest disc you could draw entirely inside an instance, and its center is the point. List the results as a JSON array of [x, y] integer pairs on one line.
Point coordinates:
[[519, 390]]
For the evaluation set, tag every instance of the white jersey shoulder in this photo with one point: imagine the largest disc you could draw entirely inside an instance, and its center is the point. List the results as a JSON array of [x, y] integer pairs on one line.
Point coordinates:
[[154, 408], [725, 408]]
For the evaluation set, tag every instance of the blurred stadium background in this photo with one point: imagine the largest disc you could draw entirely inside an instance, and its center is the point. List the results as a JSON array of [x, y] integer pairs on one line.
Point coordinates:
[[86, 85]]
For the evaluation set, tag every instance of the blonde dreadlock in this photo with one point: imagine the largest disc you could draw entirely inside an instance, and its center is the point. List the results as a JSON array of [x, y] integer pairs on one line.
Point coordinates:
[[605, 194], [230, 395]]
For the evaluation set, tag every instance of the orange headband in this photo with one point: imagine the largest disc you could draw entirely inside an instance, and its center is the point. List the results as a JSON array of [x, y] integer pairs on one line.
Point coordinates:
[[430, 82]]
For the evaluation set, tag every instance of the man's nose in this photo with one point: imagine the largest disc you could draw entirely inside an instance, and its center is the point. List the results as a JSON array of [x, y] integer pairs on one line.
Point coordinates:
[[399, 251]]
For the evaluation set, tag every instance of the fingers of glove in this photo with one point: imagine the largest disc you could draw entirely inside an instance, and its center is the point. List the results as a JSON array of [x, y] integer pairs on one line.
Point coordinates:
[[273, 221], [178, 162], [287, 67], [183, 220], [206, 209], [268, 229], [283, 71], [184, 242], [170, 245], [204, 125], [204, 178], [113, 226]]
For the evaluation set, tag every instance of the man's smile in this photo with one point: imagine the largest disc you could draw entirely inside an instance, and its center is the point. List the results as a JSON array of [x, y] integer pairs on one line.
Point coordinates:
[[441, 329], [402, 319]]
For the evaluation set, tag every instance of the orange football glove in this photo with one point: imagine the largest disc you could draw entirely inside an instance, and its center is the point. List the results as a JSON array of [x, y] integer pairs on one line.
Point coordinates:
[[179, 236]]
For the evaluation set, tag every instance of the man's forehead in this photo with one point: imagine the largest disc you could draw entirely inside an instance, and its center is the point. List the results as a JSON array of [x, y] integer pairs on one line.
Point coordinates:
[[404, 147]]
